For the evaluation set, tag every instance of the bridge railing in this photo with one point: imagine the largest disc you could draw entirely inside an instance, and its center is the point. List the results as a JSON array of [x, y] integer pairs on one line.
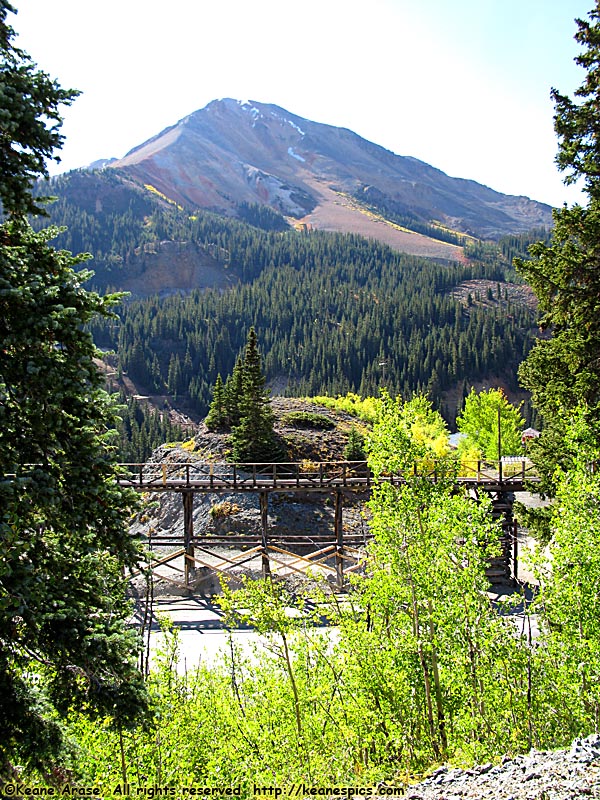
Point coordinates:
[[308, 475], [511, 469], [223, 475]]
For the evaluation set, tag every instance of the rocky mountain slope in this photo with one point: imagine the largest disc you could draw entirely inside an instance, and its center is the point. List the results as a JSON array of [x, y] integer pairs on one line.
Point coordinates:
[[231, 152]]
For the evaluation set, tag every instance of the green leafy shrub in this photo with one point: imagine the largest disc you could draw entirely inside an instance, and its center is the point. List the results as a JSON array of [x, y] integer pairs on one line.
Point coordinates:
[[363, 408], [309, 419]]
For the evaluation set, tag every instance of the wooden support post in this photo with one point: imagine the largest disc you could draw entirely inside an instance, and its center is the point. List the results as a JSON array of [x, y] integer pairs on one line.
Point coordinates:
[[264, 520], [189, 567], [339, 542]]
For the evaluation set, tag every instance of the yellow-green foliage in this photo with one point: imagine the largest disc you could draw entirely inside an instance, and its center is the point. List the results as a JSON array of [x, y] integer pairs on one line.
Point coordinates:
[[365, 408], [190, 445], [407, 435], [154, 190], [371, 703], [306, 465], [462, 237], [426, 427], [469, 456], [224, 509], [479, 420]]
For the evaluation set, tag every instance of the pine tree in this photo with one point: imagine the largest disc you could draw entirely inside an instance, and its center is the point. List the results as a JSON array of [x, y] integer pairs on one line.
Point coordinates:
[[355, 446], [174, 378], [233, 393], [564, 369], [65, 640], [217, 418], [254, 438]]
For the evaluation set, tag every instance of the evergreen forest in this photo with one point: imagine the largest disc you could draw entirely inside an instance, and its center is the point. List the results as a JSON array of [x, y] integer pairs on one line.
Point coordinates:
[[333, 313], [337, 314], [141, 429]]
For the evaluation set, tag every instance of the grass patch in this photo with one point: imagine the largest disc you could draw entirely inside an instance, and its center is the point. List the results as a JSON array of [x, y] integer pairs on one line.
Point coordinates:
[[309, 420]]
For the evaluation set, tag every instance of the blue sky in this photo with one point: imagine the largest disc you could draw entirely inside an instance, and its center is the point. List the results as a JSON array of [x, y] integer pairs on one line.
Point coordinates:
[[461, 84]]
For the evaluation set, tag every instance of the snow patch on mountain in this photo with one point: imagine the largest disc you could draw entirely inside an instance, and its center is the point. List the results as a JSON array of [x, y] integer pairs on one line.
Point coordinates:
[[295, 155], [246, 105], [296, 127]]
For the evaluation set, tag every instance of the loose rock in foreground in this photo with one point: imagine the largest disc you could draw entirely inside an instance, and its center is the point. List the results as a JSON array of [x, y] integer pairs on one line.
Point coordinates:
[[555, 775]]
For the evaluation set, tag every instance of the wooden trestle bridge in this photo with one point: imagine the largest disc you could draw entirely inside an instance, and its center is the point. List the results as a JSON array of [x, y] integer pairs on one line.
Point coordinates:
[[338, 554]]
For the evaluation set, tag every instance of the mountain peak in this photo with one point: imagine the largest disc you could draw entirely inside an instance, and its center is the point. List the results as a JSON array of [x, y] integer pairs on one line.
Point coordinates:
[[244, 151]]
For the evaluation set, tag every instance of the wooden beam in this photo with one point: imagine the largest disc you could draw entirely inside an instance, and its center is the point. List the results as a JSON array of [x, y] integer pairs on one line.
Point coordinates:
[[264, 521], [339, 541], [188, 536]]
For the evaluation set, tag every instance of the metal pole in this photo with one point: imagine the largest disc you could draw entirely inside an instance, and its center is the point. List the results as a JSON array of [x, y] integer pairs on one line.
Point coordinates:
[[499, 447]]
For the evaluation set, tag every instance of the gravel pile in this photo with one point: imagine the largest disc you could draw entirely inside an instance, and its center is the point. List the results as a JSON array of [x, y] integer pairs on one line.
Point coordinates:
[[553, 775]]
